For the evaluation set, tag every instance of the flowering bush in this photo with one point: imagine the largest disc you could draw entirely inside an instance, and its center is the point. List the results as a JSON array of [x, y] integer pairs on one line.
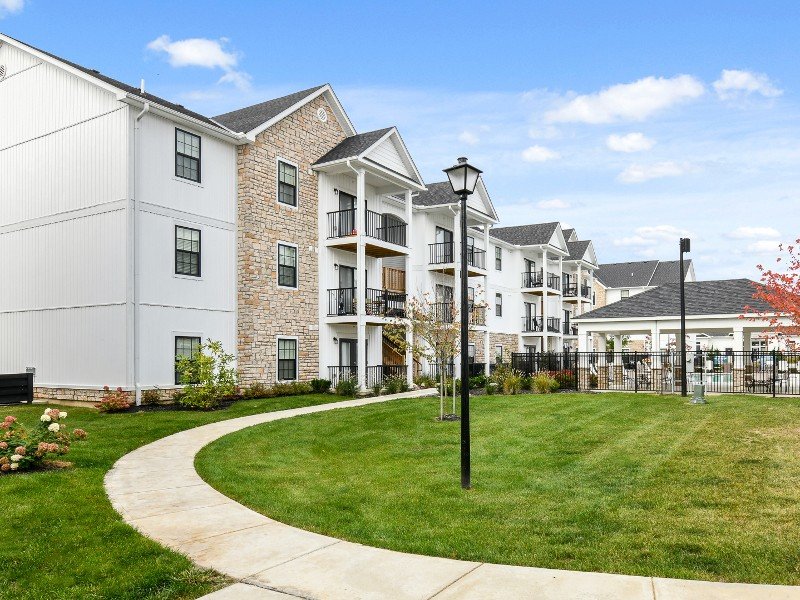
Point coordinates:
[[22, 449], [113, 401]]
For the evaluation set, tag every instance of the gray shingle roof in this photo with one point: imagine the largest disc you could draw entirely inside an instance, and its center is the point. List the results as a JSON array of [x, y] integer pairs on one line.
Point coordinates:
[[567, 233], [723, 297], [669, 271], [248, 118], [353, 146], [626, 275], [643, 273], [179, 108], [577, 249], [525, 235], [437, 194]]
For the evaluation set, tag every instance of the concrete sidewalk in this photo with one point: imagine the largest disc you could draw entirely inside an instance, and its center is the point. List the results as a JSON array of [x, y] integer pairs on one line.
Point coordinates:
[[157, 490]]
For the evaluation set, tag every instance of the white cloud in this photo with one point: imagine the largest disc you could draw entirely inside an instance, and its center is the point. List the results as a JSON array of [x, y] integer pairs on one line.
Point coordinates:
[[535, 154], [468, 138], [8, 7], [554, 203], [745, 232], [733, 83], [205, 53], [652, 236], [628, 101], [640, 173], [764, 246], [631, 142]]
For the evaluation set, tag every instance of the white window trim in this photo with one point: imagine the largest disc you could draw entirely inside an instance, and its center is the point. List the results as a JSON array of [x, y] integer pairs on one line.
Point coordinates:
[[277, 266], [278, 160], [296, 358], [177, 334], [198, 184], [201, 229]]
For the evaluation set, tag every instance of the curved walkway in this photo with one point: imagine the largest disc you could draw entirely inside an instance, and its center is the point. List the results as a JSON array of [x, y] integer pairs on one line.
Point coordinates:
[[158, 491]]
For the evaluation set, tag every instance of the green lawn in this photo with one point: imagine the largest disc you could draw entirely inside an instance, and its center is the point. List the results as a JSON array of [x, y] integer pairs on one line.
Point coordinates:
[[62, 539], [624, 483]]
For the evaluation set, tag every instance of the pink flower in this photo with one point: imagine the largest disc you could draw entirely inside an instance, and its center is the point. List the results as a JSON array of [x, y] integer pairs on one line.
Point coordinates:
[[3, 445], [20, 450], [54, 413], [10, 419], [42, 447], [80, 434], [5, 425], [5, 467], [52, 447]]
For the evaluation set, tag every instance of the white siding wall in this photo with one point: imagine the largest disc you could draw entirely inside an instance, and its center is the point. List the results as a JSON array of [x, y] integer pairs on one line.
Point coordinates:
[[63, 159]]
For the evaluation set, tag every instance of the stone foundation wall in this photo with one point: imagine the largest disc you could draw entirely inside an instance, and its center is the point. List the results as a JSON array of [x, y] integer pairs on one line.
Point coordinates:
[[477, 337], [72, 394], [510, 342]]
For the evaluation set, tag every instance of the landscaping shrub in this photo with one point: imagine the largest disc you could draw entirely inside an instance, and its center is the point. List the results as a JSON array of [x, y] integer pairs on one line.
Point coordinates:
[[22, 449], [396, 385], [507, 379], [208, 377], [478, 381], [592, 381], [526, 384], [256, 390], [424, 381], [565, 378], [151, 396], [113, 401], [293, 388], [347, 387], [377, 388], [544, 383], [320, 386]]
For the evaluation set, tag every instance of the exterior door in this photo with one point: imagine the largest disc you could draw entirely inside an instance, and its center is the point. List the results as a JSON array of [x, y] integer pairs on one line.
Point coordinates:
[[347, 290], [347, 213], [444, 247], [348, 353]]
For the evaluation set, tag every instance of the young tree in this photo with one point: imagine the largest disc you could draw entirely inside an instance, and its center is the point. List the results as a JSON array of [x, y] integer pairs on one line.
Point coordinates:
[[435, 329], [780, 289]]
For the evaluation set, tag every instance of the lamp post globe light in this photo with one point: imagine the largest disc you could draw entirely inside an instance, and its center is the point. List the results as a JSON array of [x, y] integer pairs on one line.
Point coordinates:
[[463, 178]]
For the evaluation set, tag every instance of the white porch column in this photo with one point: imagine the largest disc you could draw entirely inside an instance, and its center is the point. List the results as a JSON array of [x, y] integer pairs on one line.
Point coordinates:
[[738, 339], [584, 340], [409, 356], [747, 343], [457, 279], [545, 334], [617, 348], [361, 283], [409, 243], [486, 353], [655, 344], [579, 306]]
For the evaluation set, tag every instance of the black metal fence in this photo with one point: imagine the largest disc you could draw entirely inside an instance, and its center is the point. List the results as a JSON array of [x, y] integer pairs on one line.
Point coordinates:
[[757, 372], [375, 373], [16, 388]]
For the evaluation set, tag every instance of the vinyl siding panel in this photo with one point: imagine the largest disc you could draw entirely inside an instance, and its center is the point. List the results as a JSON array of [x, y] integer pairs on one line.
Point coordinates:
[[387, 155]]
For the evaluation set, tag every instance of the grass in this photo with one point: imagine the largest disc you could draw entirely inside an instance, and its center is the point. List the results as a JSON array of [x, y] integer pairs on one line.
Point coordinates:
[[61, 538], [623, 483]]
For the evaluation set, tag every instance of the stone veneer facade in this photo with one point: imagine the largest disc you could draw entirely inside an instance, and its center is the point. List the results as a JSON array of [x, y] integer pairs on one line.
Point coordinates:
[[266, 311], [510, 342]]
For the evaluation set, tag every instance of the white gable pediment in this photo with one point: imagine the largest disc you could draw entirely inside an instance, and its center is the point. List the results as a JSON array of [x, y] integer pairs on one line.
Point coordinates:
[[481, 201], [388, 154], [557, 239]]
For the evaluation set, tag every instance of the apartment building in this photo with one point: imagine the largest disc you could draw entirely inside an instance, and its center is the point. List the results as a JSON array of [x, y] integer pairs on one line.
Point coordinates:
[[132, 229], [117, 228], [617, 281]]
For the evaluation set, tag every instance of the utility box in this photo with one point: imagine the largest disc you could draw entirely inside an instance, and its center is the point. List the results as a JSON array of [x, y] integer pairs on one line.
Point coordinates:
[[699, 396]]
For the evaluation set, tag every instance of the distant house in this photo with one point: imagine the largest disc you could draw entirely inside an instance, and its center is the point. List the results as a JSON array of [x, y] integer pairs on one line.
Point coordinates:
[[616, 281]]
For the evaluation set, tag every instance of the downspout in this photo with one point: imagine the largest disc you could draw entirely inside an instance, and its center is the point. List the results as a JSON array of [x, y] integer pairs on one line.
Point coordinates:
[[136, 342]]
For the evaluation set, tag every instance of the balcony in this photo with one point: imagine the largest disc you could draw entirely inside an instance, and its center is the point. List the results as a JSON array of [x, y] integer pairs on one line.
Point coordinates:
[[446, 312], [570, 290], [375, 373], [553, 325], [586, 292], [535, 281], [378, 303], [532, 324], [443, 258], [386, 234], [571, 330]]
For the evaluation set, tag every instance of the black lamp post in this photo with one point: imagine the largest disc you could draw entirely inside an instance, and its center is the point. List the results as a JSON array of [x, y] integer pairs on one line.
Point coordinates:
[[685, 246], [464, 177]]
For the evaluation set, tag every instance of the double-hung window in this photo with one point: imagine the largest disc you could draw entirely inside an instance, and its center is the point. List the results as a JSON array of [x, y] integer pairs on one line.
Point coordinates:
[[186, 346], [287, 184], [498, 305], [187, 155], [624, 294], [287, 359], [287, 266], [187, 251], [498, 258]]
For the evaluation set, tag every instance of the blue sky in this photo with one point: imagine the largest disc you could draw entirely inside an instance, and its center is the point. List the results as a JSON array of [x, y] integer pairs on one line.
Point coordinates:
[[635, 124]]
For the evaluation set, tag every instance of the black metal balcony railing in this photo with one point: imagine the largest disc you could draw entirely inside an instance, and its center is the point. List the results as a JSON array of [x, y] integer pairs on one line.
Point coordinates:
[[570, 329], [553, 282], [532, 279], [375, 373], [477, 315], [553, 325], [442, 253], [446, 312], [342, 223], [378, 303], [586, 291], [531, 324], [571, 290]]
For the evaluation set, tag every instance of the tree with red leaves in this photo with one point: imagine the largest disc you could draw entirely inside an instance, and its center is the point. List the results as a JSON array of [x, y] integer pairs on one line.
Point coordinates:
[[780, 288]]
